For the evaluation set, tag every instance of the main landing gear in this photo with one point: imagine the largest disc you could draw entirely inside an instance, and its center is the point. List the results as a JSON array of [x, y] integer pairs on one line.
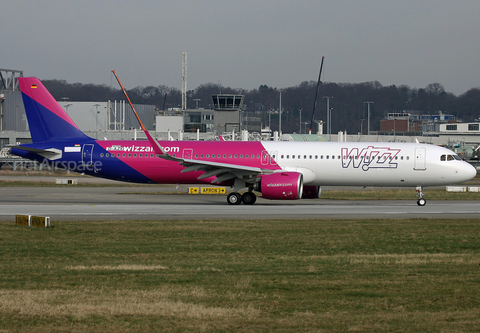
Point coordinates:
[[235, 198], [421, 201]]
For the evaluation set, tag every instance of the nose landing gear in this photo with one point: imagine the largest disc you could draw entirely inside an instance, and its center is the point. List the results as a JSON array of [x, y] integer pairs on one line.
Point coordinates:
[[421, 201]]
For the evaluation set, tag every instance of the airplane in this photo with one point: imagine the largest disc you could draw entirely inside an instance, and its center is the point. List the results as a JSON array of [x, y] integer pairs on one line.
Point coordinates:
[[278, 170]]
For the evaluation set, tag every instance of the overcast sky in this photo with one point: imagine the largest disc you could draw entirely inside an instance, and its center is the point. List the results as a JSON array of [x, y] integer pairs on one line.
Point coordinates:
[[246, 43]]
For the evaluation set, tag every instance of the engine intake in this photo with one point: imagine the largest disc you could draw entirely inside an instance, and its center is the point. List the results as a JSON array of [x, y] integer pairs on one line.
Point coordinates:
[[281, 186]]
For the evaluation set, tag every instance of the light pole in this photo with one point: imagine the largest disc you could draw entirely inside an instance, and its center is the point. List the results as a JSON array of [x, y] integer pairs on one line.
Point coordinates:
[[196, 102], [305, 123], [96, 115], [368, 117], [300, 119], [270, 111], [394, 131], [330, 126], [280, 115], [328, 114], [2, 99], [66, 106], [361, 129]]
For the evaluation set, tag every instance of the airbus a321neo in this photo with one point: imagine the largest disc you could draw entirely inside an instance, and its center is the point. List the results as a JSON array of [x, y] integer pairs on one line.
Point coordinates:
[[278, 170]]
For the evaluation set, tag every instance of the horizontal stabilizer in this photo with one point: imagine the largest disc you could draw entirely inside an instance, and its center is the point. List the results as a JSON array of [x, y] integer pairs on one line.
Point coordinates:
[[50, 153]]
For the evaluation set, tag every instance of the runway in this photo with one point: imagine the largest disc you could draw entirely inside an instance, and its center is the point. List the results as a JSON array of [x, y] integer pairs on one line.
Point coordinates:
[[167, 202]]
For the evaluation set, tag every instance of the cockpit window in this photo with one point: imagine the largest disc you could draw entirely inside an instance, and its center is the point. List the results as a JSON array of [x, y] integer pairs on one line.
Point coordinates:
[[450, 158]]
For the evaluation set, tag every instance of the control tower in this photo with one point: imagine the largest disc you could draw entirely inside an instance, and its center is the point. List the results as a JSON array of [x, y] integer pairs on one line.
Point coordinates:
[[227, 112]]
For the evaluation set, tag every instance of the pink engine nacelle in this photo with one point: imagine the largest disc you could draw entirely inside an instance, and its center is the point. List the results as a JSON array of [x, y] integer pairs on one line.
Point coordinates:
[[282, 186]]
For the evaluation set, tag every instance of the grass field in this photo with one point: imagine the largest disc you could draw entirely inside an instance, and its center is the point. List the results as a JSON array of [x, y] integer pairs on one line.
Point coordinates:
[[246, 276]]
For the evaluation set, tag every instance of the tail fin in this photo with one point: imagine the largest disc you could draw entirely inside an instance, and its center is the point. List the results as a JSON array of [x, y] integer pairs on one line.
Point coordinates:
[[46, 118]]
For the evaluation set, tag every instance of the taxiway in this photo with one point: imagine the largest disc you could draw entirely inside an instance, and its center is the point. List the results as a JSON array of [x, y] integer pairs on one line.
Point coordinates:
[[169, 202]]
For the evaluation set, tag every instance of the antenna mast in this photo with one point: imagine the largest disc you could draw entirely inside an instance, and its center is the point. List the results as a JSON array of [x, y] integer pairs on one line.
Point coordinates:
[[184, 80], [316, 94]]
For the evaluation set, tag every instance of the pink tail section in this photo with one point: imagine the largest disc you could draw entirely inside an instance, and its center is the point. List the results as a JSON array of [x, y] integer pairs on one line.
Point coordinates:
[[46, 118]]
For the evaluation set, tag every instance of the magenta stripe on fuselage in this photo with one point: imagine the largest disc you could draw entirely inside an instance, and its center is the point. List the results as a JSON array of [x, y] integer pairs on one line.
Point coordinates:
[[163, 171]]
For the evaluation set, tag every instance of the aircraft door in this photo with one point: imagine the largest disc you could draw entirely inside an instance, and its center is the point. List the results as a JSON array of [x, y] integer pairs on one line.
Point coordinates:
[[265, 158], [420, 161], [87, 151], [187, 154]]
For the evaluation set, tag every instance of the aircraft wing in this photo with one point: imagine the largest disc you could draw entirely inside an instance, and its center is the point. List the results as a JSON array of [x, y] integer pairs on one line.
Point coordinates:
[[222, 171]]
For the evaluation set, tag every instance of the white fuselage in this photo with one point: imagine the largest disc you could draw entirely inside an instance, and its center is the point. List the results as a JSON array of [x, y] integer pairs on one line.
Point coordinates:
[[370, 164]]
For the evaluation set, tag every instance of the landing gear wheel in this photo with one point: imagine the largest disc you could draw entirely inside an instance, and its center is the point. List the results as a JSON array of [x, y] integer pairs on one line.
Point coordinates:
[[421, 202], [234, 198], [249, 198]]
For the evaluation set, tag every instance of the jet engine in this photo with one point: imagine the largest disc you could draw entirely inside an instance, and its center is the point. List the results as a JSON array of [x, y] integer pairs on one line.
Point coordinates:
[[281, 186]]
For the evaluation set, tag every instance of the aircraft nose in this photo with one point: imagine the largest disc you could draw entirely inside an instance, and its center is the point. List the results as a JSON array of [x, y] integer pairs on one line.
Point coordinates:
[[468, 171]]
